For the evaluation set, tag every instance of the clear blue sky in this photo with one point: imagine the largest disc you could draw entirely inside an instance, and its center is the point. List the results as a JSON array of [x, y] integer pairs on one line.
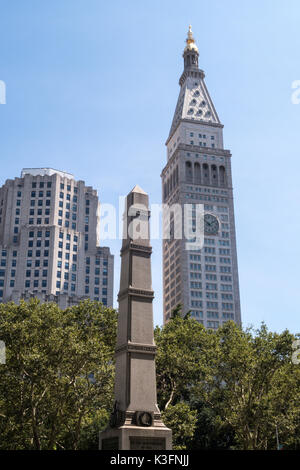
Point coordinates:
[[91, 89]]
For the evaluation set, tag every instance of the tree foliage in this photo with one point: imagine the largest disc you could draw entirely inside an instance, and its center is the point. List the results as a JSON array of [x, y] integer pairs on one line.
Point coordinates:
[[59, 373], [182, 420], [243, 384], [224, 389]]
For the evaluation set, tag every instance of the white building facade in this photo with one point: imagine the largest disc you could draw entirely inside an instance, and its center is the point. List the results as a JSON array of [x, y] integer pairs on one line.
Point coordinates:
[[49, 240]]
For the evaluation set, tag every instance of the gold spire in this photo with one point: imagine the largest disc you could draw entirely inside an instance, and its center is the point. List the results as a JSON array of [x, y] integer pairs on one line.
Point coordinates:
[[190, 41]]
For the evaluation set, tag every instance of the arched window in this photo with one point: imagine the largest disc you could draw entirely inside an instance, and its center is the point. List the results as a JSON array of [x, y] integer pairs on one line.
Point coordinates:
[[214, 174], [188, 172], [197, 173], [206, 179], [222, 174]]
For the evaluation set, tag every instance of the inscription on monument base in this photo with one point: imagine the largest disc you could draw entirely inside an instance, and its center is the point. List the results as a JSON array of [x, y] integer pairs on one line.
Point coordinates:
[[147, 443]]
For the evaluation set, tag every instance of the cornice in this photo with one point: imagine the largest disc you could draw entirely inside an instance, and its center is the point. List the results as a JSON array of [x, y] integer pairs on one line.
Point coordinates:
[[191, 72], [136, 348], [142, 294], [136, 248], [194, 121]]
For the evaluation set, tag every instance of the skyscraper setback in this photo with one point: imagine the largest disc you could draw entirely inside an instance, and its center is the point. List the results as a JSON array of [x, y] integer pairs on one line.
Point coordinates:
[[198, 171], [49, 240]]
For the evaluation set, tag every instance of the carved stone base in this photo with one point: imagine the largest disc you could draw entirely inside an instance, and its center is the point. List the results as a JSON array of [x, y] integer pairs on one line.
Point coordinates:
[[133, 437]]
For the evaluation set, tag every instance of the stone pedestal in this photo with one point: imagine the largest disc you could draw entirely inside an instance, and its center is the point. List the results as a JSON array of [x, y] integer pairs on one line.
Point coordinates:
[[135, 422]]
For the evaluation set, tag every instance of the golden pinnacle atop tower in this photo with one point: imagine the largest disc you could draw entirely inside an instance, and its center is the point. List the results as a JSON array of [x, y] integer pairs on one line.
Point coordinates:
[[190, 41], [190, 53]]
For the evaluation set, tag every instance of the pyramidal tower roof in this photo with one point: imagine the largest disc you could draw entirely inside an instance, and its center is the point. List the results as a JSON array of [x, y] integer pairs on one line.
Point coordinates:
[[138, 189], [194, 102]]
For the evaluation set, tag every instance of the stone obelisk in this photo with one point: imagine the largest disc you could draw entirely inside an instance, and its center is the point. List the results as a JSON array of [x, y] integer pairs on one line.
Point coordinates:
[[136, 420]]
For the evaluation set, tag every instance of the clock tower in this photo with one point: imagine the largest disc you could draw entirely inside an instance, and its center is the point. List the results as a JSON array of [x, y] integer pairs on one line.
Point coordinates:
[[198, 171]]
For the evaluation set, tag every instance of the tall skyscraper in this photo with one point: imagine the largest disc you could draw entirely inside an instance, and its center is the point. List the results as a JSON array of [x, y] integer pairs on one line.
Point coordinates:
[[49, 240], [198, 171]]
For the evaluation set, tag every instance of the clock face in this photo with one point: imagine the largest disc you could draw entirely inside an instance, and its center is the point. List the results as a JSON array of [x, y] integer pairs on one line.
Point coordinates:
[[211, 224]]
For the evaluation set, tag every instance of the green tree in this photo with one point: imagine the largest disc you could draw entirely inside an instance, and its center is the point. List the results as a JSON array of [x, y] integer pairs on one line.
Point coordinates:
[[184, 347], [247, 386], [242, 384], [182, 420], [59, 373]]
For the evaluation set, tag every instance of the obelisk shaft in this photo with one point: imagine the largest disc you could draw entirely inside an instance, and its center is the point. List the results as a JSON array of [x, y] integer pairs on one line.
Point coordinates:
[[136, 420]]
